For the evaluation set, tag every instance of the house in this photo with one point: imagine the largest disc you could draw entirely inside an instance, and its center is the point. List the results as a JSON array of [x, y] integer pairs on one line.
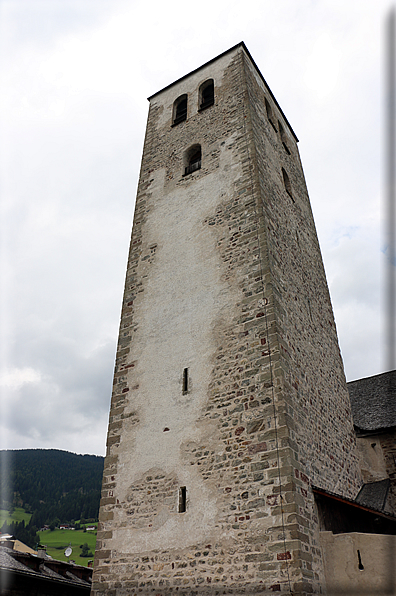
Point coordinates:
[[358, 536], [9, 541], [29, 573], [373, 402]]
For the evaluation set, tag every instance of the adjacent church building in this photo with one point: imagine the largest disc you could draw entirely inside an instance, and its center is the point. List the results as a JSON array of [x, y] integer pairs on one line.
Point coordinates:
[[234, 459]]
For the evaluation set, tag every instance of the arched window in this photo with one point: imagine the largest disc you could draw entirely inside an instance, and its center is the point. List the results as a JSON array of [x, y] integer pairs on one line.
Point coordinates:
[[192, 159], [287, 184], [206, 94], [283, 138], [270, 115], [179, 109]]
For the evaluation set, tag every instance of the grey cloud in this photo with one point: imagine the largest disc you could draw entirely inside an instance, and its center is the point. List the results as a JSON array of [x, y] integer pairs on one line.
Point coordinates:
[[70, 158]]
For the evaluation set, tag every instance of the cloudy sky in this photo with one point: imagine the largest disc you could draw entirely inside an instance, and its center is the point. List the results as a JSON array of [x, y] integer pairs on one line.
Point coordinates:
[[74, 78]]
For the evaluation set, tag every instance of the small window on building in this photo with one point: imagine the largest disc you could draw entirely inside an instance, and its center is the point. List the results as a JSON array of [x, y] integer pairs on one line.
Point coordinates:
[[179, 110], [283, 138], [270, 115], [192, 159], [206, 94], [287, 184], [185, 381], [182, 499]]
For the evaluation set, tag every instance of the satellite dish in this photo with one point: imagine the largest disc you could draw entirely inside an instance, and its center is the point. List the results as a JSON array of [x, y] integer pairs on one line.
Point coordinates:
[[68, 551]]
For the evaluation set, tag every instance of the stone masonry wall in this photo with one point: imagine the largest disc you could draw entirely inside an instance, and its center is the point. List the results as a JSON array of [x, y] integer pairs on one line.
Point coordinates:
[[388, 446], [316, 407], [224, 278]]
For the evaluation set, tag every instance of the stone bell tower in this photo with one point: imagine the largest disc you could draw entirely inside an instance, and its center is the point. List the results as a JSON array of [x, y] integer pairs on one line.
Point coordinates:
[[229, 396]]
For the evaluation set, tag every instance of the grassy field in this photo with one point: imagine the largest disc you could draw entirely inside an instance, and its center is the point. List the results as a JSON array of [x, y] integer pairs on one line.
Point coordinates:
[[18, 515], [57, 541]]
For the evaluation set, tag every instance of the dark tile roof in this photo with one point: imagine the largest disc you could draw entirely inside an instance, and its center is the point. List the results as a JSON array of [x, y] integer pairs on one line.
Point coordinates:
[[9, 562], [353, 502], [374, 494], [342, 515], [35, 567], [373, 401]]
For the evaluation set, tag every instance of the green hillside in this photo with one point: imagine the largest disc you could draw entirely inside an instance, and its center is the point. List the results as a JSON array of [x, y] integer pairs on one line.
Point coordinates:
[[51, 486], [17, 515]]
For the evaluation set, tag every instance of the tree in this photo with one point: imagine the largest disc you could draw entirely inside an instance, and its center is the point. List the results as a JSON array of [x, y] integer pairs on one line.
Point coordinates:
[[28, 535], [51, 484], [85, 552]]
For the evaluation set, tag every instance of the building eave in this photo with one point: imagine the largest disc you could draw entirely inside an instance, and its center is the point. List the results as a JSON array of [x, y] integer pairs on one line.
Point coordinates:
[[324, 493]]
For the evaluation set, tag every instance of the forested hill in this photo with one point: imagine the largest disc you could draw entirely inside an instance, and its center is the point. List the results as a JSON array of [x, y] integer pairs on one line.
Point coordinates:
[[53, 485]]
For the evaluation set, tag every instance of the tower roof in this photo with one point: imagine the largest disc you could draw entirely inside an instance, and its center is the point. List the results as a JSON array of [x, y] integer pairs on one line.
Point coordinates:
[[238, 45]]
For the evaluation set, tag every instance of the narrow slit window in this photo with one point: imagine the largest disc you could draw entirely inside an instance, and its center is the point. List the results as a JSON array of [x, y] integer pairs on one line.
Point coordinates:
[[192, 159], [179, 110], [182, 499], [185, 381], [206, 94], [270, 115], [287, 184], [360, 564], [283, 138]]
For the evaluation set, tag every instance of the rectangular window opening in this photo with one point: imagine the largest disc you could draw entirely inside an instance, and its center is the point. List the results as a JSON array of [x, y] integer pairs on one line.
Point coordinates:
[[206, 103], [185, 381], [192, 167], [181, 116], [182, 499]]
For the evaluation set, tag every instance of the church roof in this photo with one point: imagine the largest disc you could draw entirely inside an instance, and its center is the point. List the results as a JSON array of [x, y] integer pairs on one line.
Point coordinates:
[[321, 492], [374, 494], [342, 515], [373, 401]]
